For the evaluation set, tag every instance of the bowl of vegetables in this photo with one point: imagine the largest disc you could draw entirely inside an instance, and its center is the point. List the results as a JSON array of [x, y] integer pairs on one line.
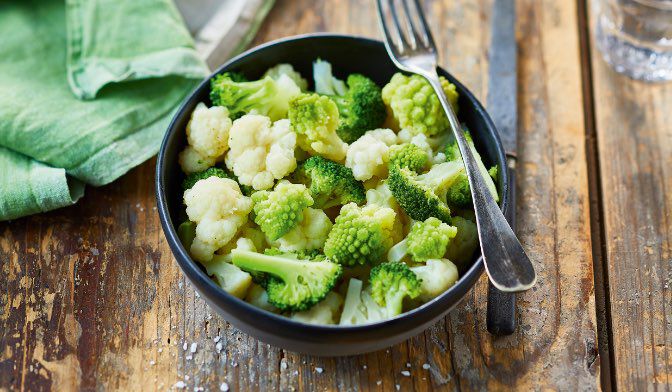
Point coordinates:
[[315, 197]]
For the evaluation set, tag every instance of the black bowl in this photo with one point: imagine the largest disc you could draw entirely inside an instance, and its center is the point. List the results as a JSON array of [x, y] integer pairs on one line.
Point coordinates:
[[347, 54]]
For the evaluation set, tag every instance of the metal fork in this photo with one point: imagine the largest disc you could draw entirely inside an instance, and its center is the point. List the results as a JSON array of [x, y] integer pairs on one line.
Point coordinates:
[[410, 44]]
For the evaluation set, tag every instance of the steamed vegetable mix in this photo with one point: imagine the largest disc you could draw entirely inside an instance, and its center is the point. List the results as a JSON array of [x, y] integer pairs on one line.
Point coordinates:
[[304, 203]]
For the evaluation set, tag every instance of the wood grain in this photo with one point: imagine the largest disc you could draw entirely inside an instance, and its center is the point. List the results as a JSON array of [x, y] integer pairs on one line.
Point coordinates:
[[634, 134], [92, 298]]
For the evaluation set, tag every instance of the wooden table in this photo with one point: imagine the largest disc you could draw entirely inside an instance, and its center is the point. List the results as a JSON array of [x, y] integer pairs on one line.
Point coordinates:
[[92, 298]]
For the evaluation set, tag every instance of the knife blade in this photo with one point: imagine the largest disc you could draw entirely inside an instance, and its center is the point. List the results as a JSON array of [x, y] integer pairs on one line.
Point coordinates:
[[503, 109]]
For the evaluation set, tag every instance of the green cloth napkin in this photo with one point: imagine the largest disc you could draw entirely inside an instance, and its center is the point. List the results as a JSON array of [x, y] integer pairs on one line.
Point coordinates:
[[87, 88]]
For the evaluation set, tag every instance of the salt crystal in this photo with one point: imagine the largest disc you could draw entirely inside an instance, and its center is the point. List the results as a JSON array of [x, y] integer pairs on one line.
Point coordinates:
[[186, 378], [397, 386], [194, 346], [188, 357], [408, 364], [364, 367], [216, 339], [180, 385], [160, 349], [379, 382], [283, 364], [152, 363], [406, 373], [319, 369], [425, 366], [184, 346], [218, 346], [224, 387]]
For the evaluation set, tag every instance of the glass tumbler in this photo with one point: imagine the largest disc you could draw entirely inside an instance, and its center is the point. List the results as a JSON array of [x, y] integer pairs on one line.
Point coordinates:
[[635, 37]]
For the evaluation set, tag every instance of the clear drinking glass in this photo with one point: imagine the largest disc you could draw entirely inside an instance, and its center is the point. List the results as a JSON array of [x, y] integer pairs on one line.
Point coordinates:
[[635, 37]]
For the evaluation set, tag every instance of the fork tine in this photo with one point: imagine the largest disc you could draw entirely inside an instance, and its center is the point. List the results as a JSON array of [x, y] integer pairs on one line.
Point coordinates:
[[426, 31], [383, 23], [403, 42], [417, 37]]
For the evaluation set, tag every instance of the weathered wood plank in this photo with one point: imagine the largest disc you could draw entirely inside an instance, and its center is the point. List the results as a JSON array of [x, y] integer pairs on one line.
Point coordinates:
[[93, 299], [634, 134]]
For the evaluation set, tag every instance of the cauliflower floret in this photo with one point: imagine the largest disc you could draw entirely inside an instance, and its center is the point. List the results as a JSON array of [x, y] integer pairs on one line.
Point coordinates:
[[437, 276], [219, 210], [309, 234], [324, 313], [367, 156], [420, 140], [208, 137], [191, 161], [260, 152]]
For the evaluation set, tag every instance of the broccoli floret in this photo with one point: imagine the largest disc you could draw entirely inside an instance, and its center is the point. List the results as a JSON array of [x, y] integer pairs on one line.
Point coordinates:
[[409, 156], [267, 96], [202, 175], [361, 235], [293, 283], [391, 283], [314, 118], [415, 106], [330, 183], [426, 240], [437, 276], [361, 108], [287, 69], [359, 307], [460, 196], [278, 211], [423, 196], [186, 232], [461, 249]]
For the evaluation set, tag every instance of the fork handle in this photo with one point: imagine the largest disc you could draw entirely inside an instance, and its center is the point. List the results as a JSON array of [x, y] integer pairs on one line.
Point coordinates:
[[506, 263]]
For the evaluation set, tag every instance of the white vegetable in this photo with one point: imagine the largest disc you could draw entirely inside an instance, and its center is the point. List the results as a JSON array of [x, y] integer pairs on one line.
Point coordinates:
[[437, 276], [229, 277], [359, 307], [368, 155], [309, 234], [287, 70], [325, 82], [261, 152], [324, 312], [207, 135], [219, 209], [257, 296]]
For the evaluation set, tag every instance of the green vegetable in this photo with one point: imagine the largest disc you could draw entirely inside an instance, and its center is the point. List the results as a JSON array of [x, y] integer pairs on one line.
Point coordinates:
[[330, 183], [462, 247], [186, 232], [266, 96], [293, 283], [391, 283], [408, 156], [193, 178], [228, 276], [415, 106], [361, 235], [315, 118], [460, 196], [423, 196], [279, 211], [426, 240]]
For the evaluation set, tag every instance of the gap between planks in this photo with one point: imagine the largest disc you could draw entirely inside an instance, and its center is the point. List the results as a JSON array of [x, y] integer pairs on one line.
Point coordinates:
[[597, 229]]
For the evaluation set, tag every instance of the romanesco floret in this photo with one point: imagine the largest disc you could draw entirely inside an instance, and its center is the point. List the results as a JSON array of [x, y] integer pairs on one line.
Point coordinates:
[[461, 195], [207, 138], [368, 156], [415, 106], [260, 152], [330, 183], [408, 156], [324, 312], [361, 235], [309, 234], [293, 284], [287, 69], [426, 240], [269, 97], [279, 211], [360, 104], [436, 277], [391, 283], [219, 209], [314, 118], [462, 247], [423, 196]]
